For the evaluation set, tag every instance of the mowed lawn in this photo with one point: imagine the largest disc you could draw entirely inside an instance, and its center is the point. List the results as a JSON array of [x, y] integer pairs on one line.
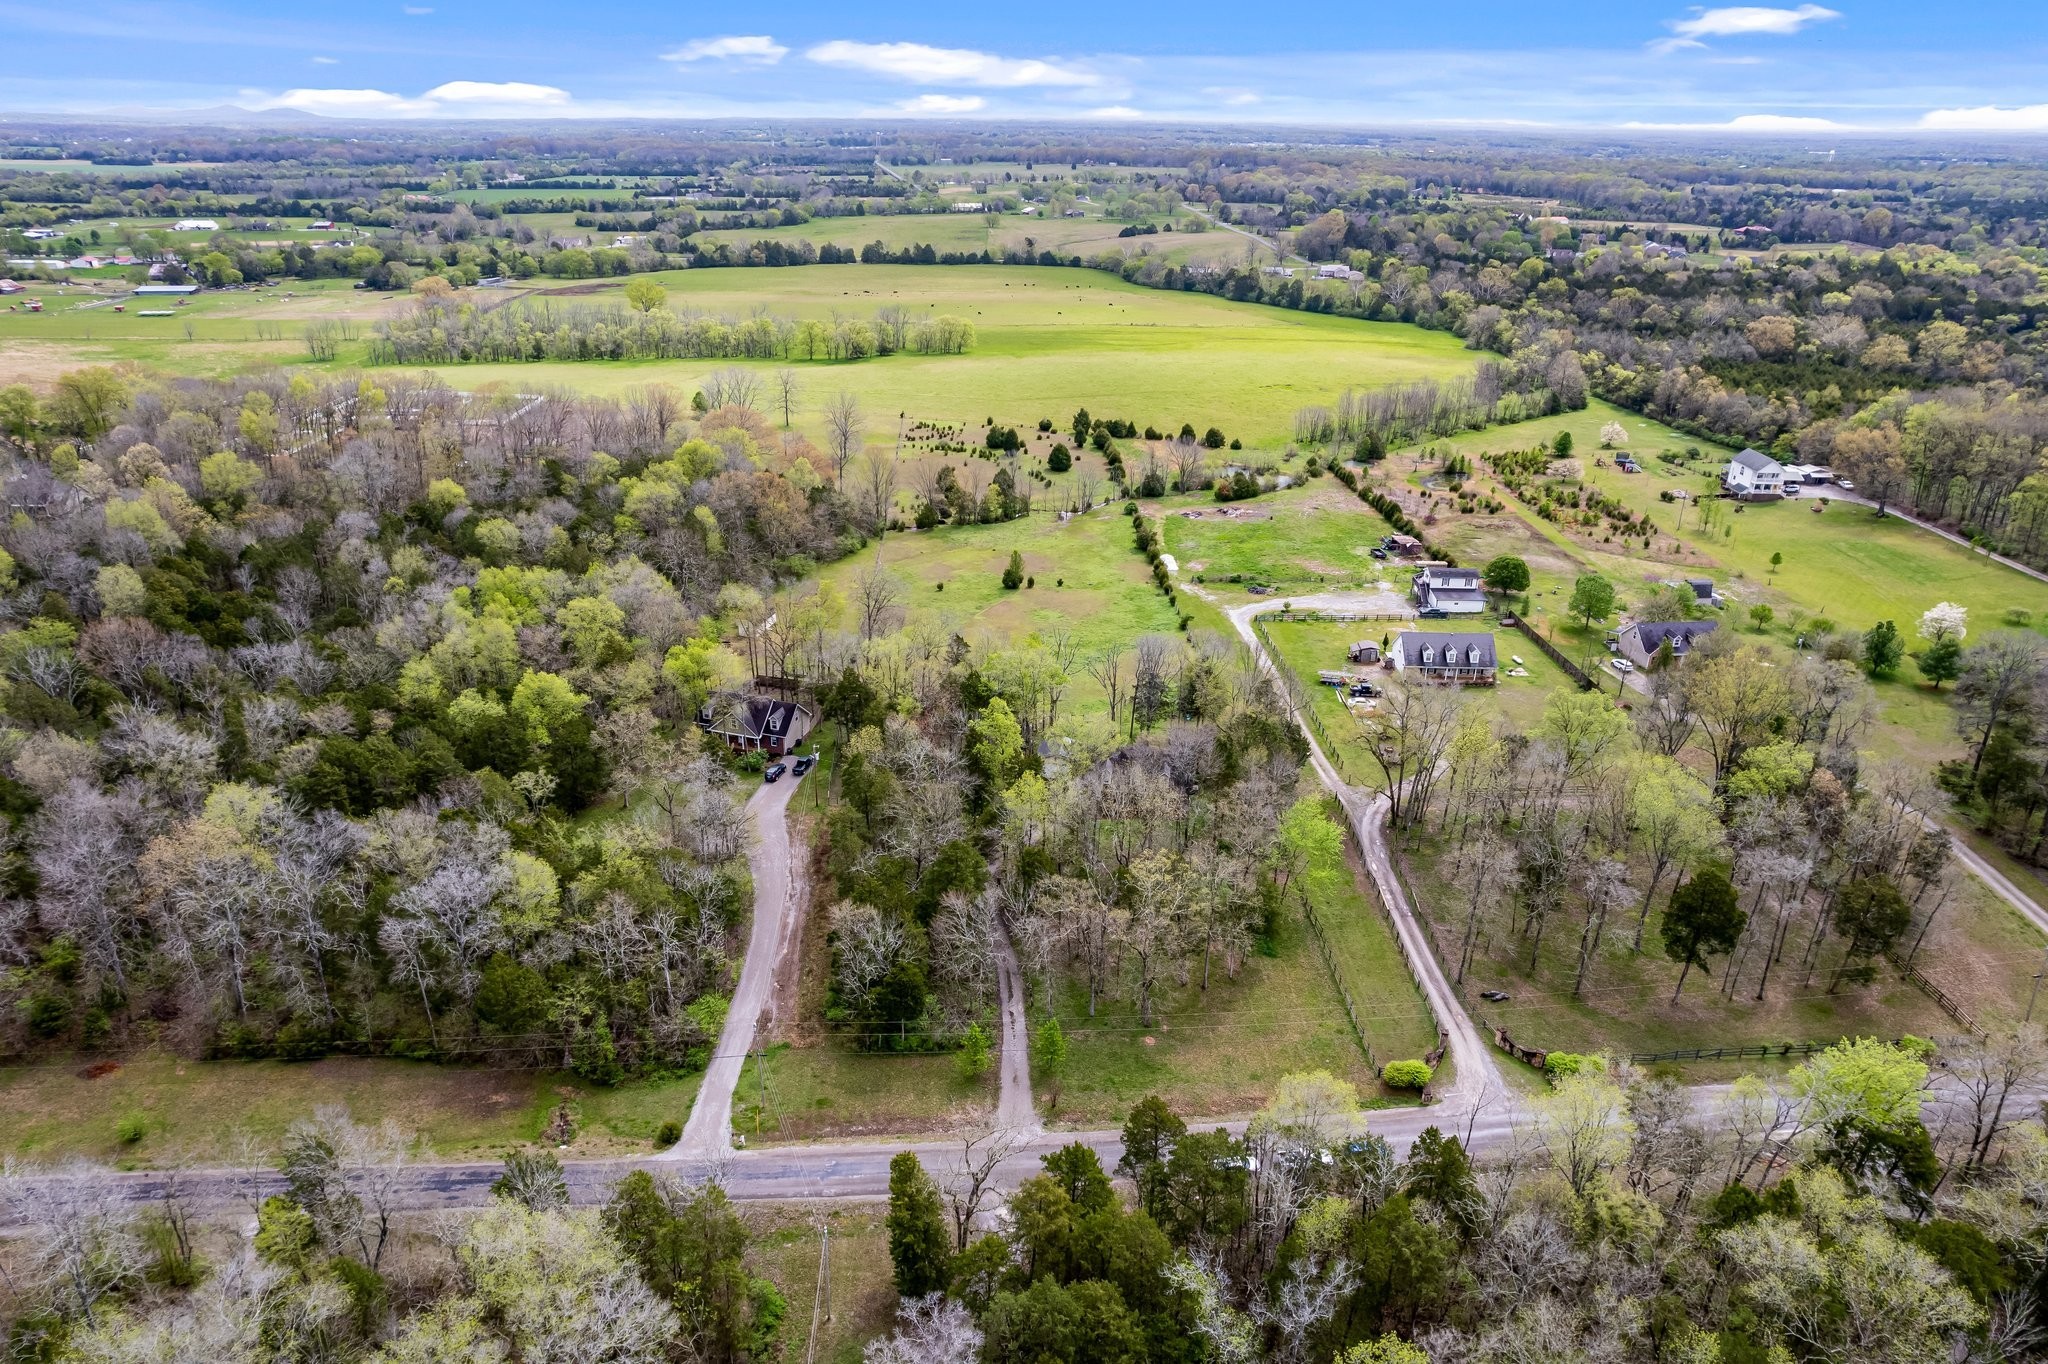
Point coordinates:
[[1048, 341], [1306, 648], [194, 1108]]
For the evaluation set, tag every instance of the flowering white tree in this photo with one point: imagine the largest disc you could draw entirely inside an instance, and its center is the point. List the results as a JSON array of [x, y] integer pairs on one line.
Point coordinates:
[[1944, 620], [1613, 434]]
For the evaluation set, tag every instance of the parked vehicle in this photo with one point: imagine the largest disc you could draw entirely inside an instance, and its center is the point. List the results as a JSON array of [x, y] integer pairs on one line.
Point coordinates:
[[1845, 483], [804, 764], [1377, 552], [775, 771], [1494, 996], [1622, 665], [1433, 613]]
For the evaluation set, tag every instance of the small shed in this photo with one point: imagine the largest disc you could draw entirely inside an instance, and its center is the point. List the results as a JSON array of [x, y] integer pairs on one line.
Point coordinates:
[[1365, 651]]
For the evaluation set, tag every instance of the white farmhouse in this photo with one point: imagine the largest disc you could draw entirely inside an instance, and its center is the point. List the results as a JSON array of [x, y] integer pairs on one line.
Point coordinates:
[[1452, 591], [1751, 474], [195, 225]]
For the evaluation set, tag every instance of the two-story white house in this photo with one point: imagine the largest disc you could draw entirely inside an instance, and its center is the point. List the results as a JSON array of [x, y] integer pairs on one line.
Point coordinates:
[[1754, 475], [1453, 591]]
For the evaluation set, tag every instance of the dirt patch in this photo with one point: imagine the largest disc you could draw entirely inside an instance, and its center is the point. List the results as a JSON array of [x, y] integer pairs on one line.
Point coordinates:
[[98, 1069], [39, 363]]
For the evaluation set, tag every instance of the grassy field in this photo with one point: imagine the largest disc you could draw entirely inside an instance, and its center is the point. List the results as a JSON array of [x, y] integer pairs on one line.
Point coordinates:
[[1312, 537], [826, 1089], [1048, 341], [194, 1108], [1845, 562], [997, 233], [229, 331], [1090, 582]]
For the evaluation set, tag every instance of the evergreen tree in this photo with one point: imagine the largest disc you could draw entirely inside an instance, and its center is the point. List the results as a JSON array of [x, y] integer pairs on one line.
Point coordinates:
[[920, 1246]]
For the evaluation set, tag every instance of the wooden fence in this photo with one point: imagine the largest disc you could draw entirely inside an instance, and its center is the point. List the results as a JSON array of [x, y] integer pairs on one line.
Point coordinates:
[[1301, 705], [1944, 1001], [1315, 933], [1551, 652]]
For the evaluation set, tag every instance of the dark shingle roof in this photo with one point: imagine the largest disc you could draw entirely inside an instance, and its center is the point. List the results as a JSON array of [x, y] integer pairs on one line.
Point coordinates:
[[1471, 649], [1652, 633]]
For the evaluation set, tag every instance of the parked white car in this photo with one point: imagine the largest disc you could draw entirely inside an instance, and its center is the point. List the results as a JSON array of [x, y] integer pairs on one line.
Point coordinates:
[[1622, 665], [1844, 483]]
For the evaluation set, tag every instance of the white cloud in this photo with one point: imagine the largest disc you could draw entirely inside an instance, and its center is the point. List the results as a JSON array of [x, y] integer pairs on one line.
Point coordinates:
[[1736, 21], [942, 104], [1752, 123], [1782, 123], [418, 9], [365, 103], [948, 65], [452, 99], [326, 61], [1989, 118], [755, 49], [497, 92], [1231, 94], [1115, 111]]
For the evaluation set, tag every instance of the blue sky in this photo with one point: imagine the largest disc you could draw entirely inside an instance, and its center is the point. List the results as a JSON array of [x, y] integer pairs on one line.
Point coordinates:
[[1806, 68]]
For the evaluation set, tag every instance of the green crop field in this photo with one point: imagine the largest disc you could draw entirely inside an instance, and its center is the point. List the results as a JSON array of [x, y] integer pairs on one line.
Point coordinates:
[[1048, 341]]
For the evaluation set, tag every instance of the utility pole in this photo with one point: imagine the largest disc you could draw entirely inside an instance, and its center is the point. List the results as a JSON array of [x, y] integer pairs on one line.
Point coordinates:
[[2035, 993]]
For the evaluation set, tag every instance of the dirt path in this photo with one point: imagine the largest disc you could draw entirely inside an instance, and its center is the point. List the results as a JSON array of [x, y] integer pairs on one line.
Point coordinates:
[[709, 1132], [1014, 1107]]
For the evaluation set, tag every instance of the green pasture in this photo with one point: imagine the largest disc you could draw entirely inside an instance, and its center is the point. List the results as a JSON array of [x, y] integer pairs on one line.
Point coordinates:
[[1047, 341], [993, 232]]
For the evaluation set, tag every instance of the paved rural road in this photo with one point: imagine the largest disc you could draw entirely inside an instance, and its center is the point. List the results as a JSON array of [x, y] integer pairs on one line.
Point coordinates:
[[709, 1132], [1477, 1106]]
